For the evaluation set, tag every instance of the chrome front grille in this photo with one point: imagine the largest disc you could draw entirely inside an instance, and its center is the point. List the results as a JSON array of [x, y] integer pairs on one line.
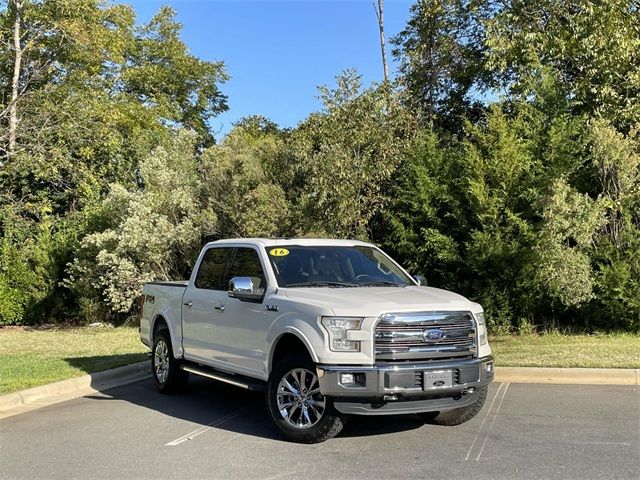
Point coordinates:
[[425, 335]]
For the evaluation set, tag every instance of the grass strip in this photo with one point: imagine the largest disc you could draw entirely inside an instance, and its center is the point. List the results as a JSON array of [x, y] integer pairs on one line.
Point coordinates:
[[617, 350], [32, 357]]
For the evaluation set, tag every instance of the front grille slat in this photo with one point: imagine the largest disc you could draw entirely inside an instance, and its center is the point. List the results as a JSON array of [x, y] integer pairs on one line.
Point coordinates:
[[405, 336]]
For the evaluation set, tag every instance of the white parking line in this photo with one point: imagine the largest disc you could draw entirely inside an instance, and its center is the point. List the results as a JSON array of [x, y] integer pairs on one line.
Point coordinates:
[[483, 420], [504, 394], [206, 428]]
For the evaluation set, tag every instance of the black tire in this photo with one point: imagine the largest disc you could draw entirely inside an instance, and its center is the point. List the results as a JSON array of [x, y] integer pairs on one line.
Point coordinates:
[[167, 375], [457, 416], [320, 428]]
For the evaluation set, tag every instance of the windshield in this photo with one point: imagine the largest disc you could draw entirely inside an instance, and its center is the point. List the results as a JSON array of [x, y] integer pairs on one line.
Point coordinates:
[[335, 266]]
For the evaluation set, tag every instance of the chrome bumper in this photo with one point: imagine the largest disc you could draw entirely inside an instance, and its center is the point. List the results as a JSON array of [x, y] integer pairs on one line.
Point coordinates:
[[399, 388]]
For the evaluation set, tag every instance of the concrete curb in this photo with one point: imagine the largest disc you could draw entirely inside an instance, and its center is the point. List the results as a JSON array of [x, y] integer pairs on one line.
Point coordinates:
[[38, 397], [577, 376]]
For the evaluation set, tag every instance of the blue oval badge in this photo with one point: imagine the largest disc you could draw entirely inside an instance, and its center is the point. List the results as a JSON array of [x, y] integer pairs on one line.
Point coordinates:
[[433, 334]]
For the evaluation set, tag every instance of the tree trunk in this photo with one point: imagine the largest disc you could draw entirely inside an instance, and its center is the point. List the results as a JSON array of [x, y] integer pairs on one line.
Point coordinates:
[[380, 14], [17, 65]]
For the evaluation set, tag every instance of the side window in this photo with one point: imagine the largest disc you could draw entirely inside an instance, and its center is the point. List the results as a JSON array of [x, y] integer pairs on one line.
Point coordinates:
[[246, 264], [211, 272]]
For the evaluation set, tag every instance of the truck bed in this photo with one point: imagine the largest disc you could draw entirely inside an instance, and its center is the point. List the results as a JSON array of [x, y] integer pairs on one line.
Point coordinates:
[[163, 298]]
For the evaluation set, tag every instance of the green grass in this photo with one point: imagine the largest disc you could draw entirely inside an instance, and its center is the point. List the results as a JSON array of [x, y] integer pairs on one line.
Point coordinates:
[[558, 350], [32, 357]]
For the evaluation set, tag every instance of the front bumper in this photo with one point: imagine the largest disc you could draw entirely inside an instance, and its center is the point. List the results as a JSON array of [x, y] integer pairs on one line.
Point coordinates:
[[393, 388]]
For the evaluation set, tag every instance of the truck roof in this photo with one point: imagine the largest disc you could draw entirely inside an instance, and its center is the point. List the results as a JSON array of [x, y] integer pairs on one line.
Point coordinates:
[[271, 242]]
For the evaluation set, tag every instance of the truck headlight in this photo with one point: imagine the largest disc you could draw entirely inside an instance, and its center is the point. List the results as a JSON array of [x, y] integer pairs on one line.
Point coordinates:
[[482, 328], [338, 328]]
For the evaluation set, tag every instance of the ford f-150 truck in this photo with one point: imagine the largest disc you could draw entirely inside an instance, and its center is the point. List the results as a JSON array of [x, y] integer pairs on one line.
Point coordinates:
[[327, 328]]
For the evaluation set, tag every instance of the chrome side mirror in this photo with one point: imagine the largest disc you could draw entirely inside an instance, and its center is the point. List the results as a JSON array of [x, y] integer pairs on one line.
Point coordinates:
[[242, 289], [421, 279]]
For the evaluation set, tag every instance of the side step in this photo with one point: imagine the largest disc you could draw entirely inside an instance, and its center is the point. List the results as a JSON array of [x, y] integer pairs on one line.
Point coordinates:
[[242, 382]]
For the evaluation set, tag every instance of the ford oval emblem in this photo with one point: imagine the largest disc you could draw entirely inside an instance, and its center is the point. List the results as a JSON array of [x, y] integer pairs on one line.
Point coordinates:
[[432, 335]]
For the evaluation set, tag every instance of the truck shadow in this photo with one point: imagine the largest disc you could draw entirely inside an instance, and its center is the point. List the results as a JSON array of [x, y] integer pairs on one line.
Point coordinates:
[[99, 363], [221, 406]]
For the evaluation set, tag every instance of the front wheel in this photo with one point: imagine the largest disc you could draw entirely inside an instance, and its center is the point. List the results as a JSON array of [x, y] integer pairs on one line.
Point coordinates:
[[296, 405], [457, 416]]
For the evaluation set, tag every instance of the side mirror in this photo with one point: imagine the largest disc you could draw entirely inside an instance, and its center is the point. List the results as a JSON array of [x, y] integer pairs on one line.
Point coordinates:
[[242, 289], [421, 279]]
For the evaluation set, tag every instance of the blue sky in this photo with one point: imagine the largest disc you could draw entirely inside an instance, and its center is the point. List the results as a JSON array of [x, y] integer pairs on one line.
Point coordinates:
[[277, 52]]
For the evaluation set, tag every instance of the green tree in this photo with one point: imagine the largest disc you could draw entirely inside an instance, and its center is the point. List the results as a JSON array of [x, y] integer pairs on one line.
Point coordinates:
[[95, 94], [238, 184], [424, 222], [591, 49], [148, 234], [342, 159], [160, 73], [616, 255], [441, 53]]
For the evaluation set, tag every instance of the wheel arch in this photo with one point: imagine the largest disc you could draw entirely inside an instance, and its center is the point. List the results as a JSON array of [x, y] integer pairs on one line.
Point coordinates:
[[289, 341], [160, 322]]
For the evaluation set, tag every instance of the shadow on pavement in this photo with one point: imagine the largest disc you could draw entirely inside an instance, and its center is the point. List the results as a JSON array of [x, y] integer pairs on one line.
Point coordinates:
[[207, 402]]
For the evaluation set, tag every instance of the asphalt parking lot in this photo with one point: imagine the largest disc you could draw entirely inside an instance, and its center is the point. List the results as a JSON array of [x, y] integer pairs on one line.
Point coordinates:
[[218, 431]]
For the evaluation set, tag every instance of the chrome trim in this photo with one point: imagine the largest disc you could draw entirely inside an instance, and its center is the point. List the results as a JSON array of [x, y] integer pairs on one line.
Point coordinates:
[[424, 335], [213, 376]]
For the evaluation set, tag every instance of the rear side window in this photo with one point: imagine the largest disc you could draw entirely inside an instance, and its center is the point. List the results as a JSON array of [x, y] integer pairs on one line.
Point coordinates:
[[247, 264], [211, 273]]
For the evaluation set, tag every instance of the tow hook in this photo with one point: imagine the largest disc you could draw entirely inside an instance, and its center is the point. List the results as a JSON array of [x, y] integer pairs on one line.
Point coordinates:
[[469, 390], [390, 398]]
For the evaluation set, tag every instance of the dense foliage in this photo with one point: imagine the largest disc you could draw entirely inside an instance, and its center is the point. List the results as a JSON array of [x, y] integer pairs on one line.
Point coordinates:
[[503, 161]]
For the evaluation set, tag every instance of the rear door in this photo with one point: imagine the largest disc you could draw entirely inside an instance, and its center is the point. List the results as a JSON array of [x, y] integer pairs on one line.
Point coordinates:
[[202, 302]]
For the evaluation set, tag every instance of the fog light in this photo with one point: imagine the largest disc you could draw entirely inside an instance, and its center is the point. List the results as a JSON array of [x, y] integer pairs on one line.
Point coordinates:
[[347, 378], [488, 368]]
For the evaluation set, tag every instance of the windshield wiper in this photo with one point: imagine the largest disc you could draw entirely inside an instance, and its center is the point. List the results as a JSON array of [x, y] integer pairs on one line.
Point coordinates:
[[381, 283], [321, 284]]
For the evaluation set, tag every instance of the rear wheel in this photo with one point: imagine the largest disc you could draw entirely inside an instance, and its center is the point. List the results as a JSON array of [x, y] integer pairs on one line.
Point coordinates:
[[296, 405], [167, 375], [457, 416]]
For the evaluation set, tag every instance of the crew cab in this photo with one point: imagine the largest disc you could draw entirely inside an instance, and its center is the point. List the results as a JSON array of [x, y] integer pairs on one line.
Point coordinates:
[[327, 328]]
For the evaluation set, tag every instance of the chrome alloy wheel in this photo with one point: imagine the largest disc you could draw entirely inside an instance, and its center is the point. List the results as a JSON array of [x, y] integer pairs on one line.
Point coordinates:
[[299, 399], [161, 361]]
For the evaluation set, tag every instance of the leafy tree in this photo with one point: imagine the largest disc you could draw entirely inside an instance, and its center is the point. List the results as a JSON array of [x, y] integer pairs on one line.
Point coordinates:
[[591, 49], [343, 158], [441, 53], [562, 266], [162, 75], [423, 223], [150, 234], [95, 95], [617, 251], [238, 185]]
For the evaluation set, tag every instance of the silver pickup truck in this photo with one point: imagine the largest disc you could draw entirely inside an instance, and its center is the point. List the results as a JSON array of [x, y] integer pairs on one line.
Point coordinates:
[[327, 328]]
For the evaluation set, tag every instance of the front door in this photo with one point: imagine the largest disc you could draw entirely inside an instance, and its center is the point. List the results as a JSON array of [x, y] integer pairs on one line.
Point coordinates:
[[241, 328]]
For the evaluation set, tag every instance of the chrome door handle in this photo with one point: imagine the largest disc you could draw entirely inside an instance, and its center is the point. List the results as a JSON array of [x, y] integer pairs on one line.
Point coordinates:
[[219, 307], [188, 304]]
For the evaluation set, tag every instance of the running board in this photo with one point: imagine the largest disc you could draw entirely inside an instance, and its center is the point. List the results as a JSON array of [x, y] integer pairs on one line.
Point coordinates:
[[248, 384]]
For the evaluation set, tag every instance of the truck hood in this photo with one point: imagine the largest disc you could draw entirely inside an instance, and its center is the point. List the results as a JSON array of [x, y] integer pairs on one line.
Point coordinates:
[[373, 301]]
